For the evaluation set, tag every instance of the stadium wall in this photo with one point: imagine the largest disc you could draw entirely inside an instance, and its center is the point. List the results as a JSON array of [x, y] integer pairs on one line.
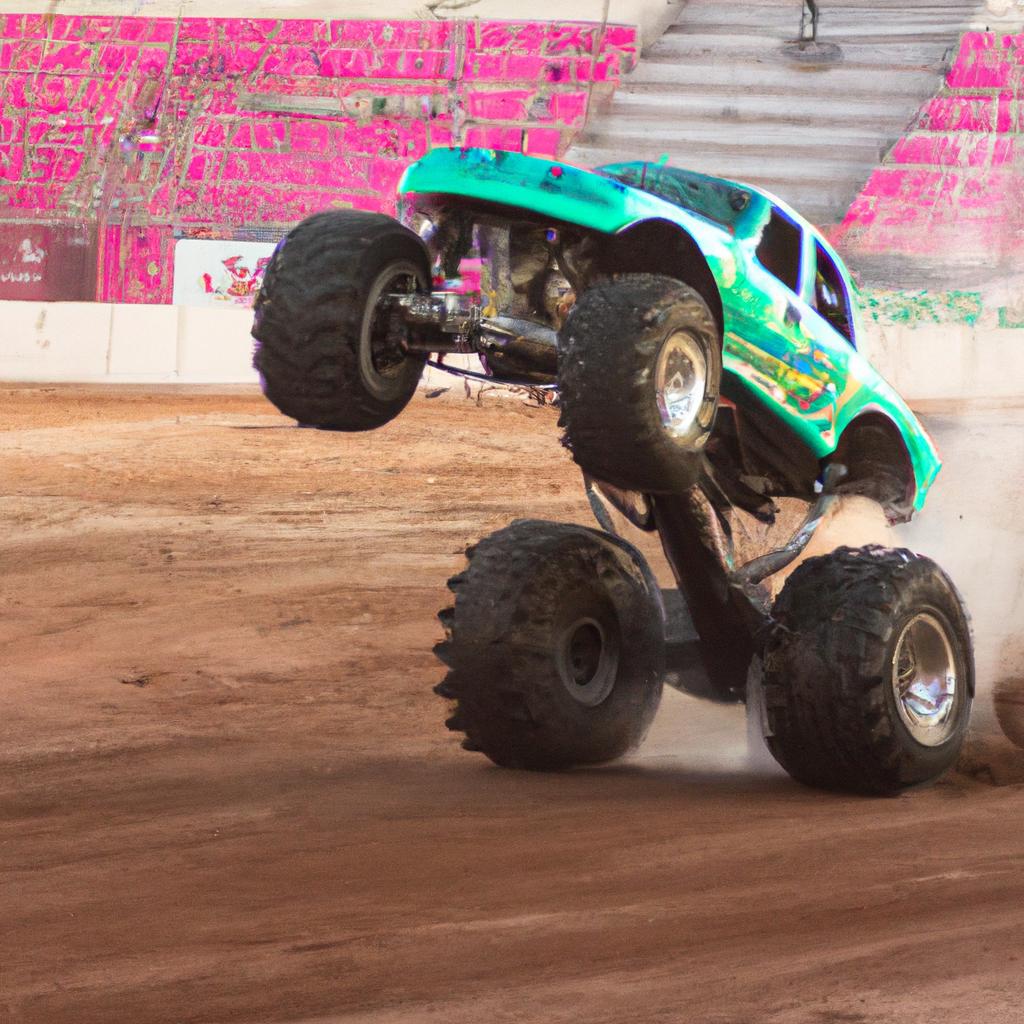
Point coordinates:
[[146, 161], [151, 160], [937, 233], [945, 209]]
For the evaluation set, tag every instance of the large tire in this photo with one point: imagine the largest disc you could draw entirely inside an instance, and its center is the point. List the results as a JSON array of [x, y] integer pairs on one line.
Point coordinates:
[[865, 639], [620, 349], [555, 647], [326, 353]]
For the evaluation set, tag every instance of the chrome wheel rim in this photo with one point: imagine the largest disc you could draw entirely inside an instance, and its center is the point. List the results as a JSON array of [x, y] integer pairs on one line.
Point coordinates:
[[924, 680], [680, 382], [588, 660]]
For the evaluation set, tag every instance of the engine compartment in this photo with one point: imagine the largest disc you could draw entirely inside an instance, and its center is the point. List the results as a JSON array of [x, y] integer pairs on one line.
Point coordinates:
[[505, 279]]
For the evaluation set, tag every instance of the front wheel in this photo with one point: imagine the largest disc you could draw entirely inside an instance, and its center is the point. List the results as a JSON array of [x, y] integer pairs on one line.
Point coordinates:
[[330, 349], [639, 370], [555, 646], [868, 678]]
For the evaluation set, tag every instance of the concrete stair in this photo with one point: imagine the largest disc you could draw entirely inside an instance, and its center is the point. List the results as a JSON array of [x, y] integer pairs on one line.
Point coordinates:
[[718, 94]]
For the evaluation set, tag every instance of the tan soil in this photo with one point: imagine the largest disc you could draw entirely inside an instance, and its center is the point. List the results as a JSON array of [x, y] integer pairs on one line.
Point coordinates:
[[227, 793]]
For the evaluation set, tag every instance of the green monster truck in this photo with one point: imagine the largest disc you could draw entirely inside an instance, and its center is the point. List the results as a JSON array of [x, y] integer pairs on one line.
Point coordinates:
[[702, 339]]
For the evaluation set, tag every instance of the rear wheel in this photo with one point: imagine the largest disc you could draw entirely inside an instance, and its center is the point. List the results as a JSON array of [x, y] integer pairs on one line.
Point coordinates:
[[868, 679], [329, 350], [555, 646], [639, 368]]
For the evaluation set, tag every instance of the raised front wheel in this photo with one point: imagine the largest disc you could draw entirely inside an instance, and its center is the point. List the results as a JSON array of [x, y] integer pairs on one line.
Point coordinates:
[[639, 370], [330, 347]]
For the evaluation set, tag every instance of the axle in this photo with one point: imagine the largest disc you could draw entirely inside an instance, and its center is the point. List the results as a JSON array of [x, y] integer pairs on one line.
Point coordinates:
[[729, 607], [453, 322]]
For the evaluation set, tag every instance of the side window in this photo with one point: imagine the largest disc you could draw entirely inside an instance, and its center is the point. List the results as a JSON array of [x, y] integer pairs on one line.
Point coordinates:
[[779, 250], [830, 296]]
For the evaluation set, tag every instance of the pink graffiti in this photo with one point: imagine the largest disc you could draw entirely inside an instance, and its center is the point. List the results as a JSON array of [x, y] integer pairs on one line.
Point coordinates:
[[148, 129], [952, 185]]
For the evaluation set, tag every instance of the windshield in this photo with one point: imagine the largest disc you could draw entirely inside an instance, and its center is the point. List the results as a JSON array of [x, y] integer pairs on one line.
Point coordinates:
[[719, 201]]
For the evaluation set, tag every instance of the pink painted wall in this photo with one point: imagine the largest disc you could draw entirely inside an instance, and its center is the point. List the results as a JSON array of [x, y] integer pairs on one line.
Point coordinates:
[[952, 190], [120, 135]]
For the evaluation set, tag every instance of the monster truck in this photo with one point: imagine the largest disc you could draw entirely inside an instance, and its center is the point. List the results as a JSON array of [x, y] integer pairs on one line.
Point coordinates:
[[702, 339]]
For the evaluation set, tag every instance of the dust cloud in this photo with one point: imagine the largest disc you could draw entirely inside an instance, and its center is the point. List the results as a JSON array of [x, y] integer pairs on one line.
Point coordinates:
[[972, 525]]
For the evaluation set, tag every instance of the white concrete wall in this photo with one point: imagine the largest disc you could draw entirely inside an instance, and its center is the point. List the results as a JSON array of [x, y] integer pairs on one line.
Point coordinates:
[[95, 343], [948, 361]]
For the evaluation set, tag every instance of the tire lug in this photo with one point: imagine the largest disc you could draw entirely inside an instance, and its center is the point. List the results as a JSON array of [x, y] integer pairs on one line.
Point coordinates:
[[447, 690]]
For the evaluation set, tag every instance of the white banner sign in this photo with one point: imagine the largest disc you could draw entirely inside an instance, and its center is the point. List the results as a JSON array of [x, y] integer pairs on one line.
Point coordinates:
[[213, 272]]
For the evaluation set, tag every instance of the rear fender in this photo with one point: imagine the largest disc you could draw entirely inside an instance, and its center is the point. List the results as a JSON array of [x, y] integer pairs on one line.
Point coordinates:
[[878, 463]]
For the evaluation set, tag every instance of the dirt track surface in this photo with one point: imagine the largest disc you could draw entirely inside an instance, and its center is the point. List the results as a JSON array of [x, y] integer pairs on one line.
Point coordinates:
[[227, 793]]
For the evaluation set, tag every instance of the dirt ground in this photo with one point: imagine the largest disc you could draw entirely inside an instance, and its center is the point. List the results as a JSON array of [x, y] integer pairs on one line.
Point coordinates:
[[227, 794]]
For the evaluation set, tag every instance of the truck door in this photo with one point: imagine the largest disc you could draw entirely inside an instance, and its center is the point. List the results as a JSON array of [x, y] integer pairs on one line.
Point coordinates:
[[830, 329], [775, 345]]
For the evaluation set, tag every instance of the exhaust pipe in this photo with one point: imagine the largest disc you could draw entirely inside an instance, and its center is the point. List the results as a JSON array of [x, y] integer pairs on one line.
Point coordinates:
[[519, 344]]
